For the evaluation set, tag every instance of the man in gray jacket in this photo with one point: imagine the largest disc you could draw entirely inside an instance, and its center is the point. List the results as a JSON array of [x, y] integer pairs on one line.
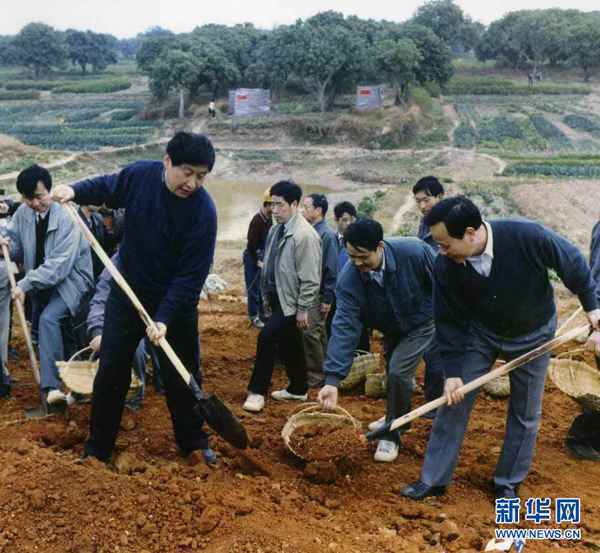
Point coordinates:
[[58, 269], [290, 283]]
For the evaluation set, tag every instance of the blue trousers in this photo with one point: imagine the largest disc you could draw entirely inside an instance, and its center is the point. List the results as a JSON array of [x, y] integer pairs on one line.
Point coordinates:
[[434, 373], [402, 356], [524, 409], [123, 330], [50, 340], [252, 279]]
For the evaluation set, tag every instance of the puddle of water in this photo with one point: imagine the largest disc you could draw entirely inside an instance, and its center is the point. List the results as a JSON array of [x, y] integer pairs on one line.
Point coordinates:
[[237, 202]]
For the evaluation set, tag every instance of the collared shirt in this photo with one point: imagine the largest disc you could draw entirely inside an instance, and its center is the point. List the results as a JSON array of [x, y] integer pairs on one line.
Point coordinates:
[[482, 263], [41, 216], [377, 276]]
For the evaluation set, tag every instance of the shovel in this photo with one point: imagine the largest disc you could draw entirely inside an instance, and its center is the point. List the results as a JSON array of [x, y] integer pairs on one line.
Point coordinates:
[[43, 409], [210, 407], [478, 382]]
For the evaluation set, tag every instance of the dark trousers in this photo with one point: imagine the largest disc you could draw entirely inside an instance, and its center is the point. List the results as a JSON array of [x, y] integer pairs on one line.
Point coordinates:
[[252, 279], [281, 331], [402, 356], [123, 330], [434, 373]]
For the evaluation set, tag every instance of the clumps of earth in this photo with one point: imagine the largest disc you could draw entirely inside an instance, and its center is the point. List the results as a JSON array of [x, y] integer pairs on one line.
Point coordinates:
[[329, 450]]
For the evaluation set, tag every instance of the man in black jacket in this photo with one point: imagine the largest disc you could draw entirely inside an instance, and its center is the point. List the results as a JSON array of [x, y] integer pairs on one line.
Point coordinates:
[[583, 438], [493, 297], [253, 258]]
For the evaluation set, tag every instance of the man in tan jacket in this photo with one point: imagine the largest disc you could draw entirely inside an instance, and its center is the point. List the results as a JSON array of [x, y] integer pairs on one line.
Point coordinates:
[[290, 283]]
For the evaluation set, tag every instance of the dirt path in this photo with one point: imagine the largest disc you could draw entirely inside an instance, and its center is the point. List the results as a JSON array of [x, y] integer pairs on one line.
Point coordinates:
[[451, 114], [406, 207]]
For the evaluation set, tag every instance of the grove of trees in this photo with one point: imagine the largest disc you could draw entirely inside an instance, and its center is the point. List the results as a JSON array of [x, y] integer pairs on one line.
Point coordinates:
[[532, 39], [324, 55]]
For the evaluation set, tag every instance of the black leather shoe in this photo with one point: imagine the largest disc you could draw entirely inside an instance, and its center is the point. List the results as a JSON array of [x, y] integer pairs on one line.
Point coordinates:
[[419, 490], [508, 493], [582, 450]]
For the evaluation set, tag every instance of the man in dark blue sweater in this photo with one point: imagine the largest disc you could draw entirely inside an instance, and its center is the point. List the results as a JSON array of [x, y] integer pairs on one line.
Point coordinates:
[[493, 297], [167, 250]]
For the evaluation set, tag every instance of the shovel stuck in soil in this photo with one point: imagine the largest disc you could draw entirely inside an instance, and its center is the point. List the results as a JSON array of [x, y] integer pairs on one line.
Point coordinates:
[[559, 340], [43, 409], [210, 407]]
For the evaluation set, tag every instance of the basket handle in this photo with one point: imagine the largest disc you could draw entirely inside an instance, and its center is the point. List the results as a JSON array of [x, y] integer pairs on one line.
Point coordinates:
[[315, 406], [570, 353], [80, 352]]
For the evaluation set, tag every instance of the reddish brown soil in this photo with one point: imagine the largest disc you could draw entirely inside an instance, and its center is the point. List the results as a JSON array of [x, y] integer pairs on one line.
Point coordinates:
[[324, 442], [266, 501]]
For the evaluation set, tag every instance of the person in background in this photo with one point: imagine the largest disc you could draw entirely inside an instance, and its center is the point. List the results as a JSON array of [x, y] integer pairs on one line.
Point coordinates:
[[315, 338], [290, 283], [58, 270], [428, 192], [583, 437], [95, 223], [253, 258]]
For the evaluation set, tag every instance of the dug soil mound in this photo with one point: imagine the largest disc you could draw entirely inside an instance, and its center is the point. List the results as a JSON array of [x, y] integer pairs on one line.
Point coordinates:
[[326, 442], [151, 499]]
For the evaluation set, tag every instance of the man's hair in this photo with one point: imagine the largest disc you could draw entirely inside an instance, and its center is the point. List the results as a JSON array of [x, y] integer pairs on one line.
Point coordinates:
[[364, 233], [288, 190], [430, 185], [28, 179], [191, 148], [344, 207], [457, 213], [319, 200]]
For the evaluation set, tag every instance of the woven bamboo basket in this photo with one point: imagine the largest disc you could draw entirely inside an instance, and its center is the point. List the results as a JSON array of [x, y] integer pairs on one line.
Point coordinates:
[[576, 379], [376, 385], [79, 376], [364, 363], [311, 415]]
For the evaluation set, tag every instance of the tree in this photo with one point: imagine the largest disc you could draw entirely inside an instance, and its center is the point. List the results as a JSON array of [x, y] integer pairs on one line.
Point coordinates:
[[584, 44], [151, 48], [217, 71], [128, 47], [528, 39], [88, 48], [174, 69], [448, 22], [436, 64], [40, 47], [8, 52], [399, 61], [322, 53]]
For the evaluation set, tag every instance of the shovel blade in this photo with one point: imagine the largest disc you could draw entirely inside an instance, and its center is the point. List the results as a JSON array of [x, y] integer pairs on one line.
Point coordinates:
[[380, 432], [219, 417]]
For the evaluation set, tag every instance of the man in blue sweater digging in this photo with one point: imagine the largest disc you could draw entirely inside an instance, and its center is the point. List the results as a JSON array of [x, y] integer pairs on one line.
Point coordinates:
[[167, 249], [493, 298]]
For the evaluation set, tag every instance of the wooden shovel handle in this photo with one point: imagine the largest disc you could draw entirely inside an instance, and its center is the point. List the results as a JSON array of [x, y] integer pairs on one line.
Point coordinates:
[[22, 319], [492, 375], [120, 280]]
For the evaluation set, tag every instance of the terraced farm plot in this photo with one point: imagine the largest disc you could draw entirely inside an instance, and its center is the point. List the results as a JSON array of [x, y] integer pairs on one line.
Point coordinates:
[[77, 126], [526, 124]]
